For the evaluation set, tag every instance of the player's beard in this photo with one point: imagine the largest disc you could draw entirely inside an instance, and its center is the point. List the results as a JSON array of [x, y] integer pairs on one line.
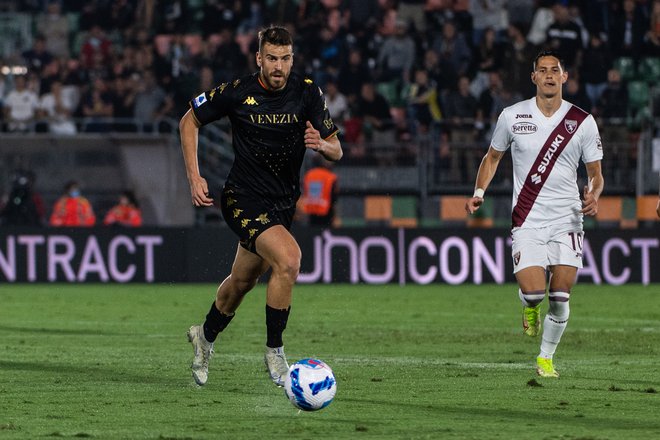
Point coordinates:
[[276, 83]]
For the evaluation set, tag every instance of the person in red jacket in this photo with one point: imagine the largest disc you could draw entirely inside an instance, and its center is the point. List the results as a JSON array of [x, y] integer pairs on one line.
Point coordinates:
[[125, 213], [320, 193], [72, 209]]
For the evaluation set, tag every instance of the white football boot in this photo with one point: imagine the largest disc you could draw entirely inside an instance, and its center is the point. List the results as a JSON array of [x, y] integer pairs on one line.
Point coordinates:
[[275, 361], [203, 352]]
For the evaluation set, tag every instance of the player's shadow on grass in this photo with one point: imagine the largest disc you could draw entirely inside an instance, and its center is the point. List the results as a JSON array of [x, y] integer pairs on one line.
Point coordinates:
[[88, 373], [61, 331], [521, 416]]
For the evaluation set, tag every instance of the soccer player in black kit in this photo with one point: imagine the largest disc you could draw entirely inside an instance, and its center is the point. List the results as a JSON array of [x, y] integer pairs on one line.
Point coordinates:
[[276, 115]]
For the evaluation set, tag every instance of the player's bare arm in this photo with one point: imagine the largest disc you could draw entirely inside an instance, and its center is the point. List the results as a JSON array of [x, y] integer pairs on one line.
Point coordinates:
[[199, 189], [329, 148], [487, 170], [594, 188]]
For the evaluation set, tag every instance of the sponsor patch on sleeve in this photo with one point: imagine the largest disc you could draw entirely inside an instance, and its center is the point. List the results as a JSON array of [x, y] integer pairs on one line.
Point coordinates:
[[201, 99]]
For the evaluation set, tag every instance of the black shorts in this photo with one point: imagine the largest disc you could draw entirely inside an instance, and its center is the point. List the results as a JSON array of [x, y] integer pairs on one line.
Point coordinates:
[[249, 215]]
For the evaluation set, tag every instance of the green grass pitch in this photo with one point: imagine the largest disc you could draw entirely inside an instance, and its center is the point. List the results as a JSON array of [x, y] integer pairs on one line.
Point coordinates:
[[413, 362]]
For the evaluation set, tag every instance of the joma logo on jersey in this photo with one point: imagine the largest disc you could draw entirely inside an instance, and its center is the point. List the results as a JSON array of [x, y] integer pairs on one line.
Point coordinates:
[[250, 101], [523, 116], [524, 128], [543, 166], [275, 118]]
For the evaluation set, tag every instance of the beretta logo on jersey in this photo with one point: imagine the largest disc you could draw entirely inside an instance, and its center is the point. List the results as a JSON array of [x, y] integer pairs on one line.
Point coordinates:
[[524, 128], [201, 99]]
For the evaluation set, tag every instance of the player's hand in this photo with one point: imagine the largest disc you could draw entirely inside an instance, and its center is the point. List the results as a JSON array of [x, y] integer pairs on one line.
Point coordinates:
[[199, 190], [657, 208], [473, 204], [589, 204], [312, 137]]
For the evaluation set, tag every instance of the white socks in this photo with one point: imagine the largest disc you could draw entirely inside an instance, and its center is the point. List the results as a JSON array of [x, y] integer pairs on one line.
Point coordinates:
[[532, 298], [554, 323]]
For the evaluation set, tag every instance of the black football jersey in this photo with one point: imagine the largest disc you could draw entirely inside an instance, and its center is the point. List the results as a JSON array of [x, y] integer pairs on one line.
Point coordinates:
[[268, 130]]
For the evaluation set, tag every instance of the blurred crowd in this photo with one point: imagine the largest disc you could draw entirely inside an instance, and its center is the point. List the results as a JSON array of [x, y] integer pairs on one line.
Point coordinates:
[[391, 69]]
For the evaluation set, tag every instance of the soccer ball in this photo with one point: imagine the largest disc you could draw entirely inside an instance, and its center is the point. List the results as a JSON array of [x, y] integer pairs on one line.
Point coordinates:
[[310, 385]]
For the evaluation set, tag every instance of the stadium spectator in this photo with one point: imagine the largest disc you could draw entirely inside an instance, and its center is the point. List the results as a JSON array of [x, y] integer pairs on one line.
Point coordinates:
[[124, 96], [397, 55], [596, 62], [439, 71], [543, 18], [229, 60], [320, 191], [24, 205], [57, 107], [20, 106], [547, 215], [37, 57], [96, 48], [97, 106], [353, 75], [72, 209], [488, 14], [652, 37], [453, 49], [573, 93], [259, 197], [151, 102], [374, 111], [487, 59], [564, 36], [460, 112], [627, 28], [125, 213], [517, 53], [423, 103], [336, 102], [613, 108], [492, 101], [55, 28], [411, 12]]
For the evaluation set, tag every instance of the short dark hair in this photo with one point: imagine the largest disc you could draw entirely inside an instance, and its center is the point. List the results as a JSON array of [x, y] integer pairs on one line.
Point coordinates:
[[548, 53], [275, 35]]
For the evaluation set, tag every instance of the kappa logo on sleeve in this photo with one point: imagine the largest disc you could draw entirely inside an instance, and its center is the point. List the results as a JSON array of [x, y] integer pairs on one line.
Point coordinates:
[[201, 99]]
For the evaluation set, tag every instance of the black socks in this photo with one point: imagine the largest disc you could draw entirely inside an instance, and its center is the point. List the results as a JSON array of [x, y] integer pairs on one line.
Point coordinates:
[[216, 321], [275, 324]]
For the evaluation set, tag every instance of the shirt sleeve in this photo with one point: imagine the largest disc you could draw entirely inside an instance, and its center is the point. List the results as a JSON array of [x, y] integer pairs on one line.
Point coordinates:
[[317, 111], [214, 104], [592, 148], [501, 139]]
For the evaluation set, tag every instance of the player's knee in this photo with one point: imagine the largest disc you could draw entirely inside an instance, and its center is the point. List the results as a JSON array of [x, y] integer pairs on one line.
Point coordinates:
[[242, 285], [288, 266]]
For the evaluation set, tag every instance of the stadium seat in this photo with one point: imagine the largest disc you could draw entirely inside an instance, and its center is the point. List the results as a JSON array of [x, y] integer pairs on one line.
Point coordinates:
[[649, 70], [610, 209], [452, 209], [404, 212], [646, 208], [377, 208], [626, 67], [390, 91], [638, 95], [628, 213]]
